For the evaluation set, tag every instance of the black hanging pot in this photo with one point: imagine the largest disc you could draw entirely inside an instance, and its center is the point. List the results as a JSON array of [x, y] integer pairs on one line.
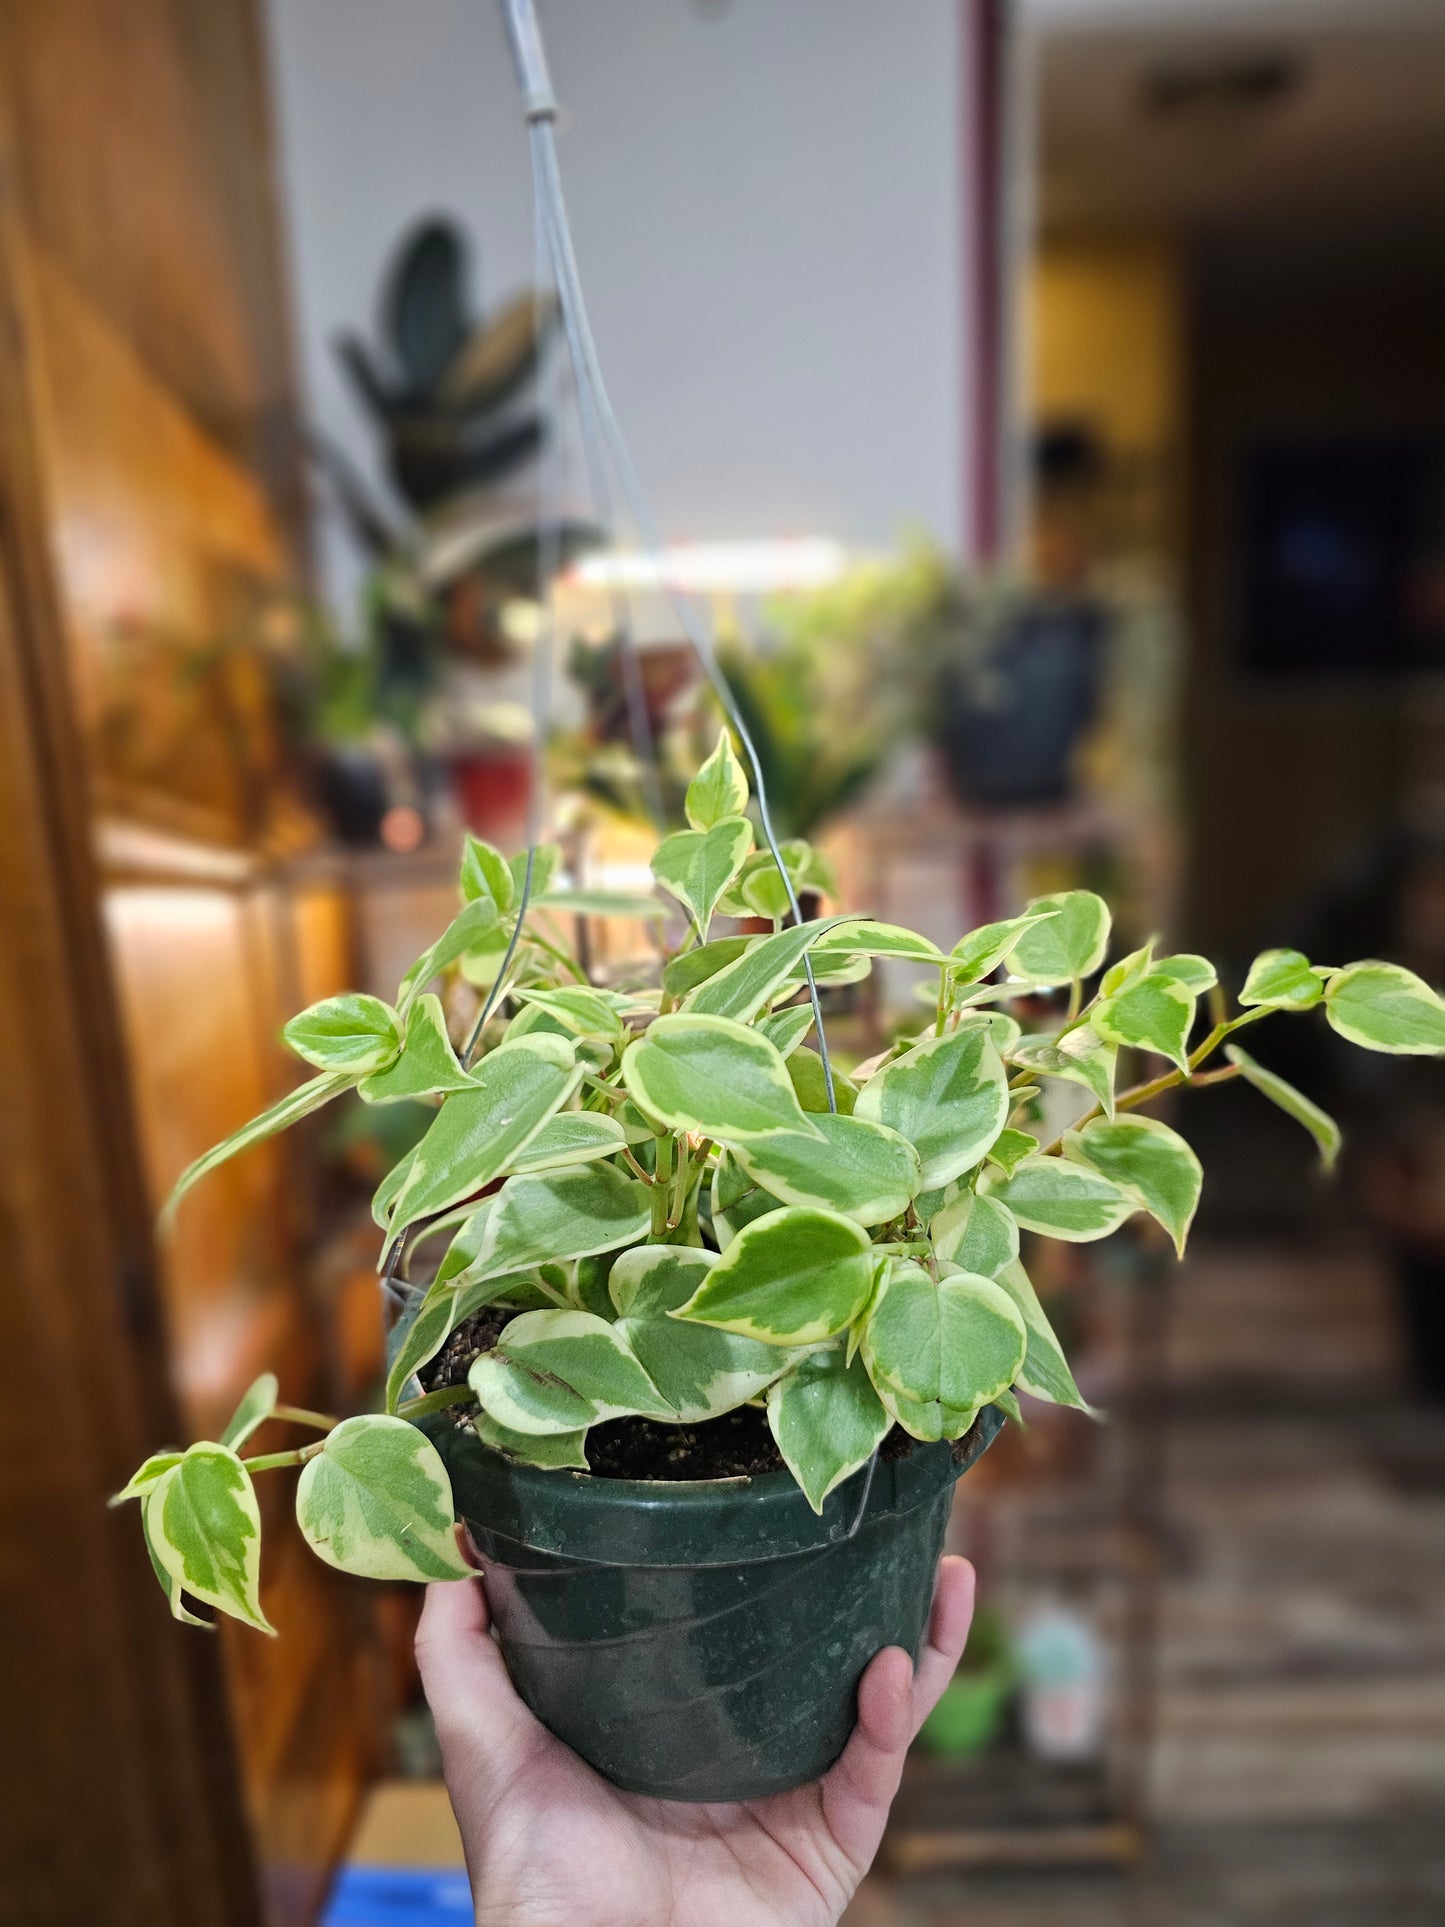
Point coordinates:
[[1006, 727], [704, 1641]]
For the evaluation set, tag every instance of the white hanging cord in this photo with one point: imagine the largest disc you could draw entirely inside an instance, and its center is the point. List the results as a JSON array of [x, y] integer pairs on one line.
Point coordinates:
[[540, 107]]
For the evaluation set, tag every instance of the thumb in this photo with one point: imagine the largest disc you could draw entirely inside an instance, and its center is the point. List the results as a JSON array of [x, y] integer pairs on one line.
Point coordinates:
[[484, 1728]]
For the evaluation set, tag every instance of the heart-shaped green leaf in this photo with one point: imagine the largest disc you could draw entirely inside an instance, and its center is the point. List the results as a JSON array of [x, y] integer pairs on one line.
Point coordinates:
[[700, 1371], [978, 1234], [562, 1371], [786, 1029], [551, 1218], [1156, 1013], [948, 1096], [550, 1451], [469, 930], [1080, 1056], [1060, 1199], [1148, 1160], [720, 788], [353, 1033], [571, 1137], [1282, 980], [578, 1008], [1045, 1371], [696, 866], [704, 960], [427, 1065], [826, 1420], [712, 1075], [486, 873], [984, 949], [741, 988], [864, 938], [1384, 1007], [1067, 944], [954, 1344], [792, 1277], [204, 1529], [862, 1169], [376, 1501]]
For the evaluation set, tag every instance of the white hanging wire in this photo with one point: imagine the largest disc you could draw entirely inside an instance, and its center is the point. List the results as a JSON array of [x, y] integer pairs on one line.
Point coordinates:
[[540, 107]]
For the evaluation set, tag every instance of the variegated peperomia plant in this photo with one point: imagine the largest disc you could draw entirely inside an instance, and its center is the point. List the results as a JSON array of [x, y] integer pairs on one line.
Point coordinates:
[[652, 1182]]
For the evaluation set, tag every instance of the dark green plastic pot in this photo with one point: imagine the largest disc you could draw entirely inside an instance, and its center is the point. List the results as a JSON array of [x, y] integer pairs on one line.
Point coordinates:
[[704, 1641]]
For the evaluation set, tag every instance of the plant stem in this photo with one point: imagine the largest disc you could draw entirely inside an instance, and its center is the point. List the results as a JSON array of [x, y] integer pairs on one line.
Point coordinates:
[[1131, 1099], [296, 1415], [636, 1164], [273, 1461], [662, 1185], [1076, 997], [945, 998], [436, 1401]]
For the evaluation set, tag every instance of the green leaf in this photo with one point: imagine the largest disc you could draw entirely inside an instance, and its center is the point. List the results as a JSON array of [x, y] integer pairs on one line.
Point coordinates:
[[486, 873], [571, 1137], [141, 1480], [467, 931], [577, 1008], [948, 1096], [712, 1075], [354, 1034], [978, 1234], [428, 1331], [376, 1501], [204, 1529], [719, 789], [1320, 1125], [477, 1134], [1009, 1149], [695, 966], [1060, 1199], [737, 1200], [946, 1348], [1080, 1056], [1128, 970], [826, 1420], [696, 866], [741, 988], [1070, 944], [700, 1371], [550, 1452], [864, 1170], [562, 1371], [257, 1404], [1156, 1013], [552, 1219], [1045, 1371], [863, 938], [169, 1585], [790, 1278], [1384, 1007], [786, 1029], [805, 1074], [1003, 1029], [427, 1064], [384, 1196], [1148, 1160], [1197, 974], [984, 949], [1282, 980], [290, 1110], [546, 861], [603, 903]]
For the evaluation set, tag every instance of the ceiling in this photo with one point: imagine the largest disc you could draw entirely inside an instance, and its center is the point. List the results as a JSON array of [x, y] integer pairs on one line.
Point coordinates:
[[1312, 115]]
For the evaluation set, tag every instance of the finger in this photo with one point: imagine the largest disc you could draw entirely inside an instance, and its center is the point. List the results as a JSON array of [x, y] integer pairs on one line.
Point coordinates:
[[947, 1635], [478, 1712], [859, 1789]]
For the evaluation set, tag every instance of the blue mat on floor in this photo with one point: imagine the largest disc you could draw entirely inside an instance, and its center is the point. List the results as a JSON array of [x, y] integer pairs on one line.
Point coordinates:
[[400, 1897]]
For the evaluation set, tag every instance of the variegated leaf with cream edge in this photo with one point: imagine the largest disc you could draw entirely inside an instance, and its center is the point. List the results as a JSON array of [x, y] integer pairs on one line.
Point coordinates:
[[805, 1074], [486, 873], [1060, 1199], [579, 1008], [826, 1420], [948, 1096], [354, 1033], [571, 1137], [204, 1530], [289, 1110], [1069, 943], [696, 866], [864, 938], [984, 949], [693, 967], [256, 1405], [700, 1371], [786, 1029], [376, 1501], [477, 1133], [145, 1476], [1282, 980], [562, 1371], [977, 1234], [1384, 1007], [551, 1218], [864, 1170], [714, 1076], [469, 929], [1011, 1147], [423, 1338], [720, 788], [549, 1451], [937, 1352], [1148, 1160], [792, 1277], [741, 988], [737, 1200], [427, 1066], [1079, 1056], [1045, 1371], [1154, 1013], [1320, 1125]]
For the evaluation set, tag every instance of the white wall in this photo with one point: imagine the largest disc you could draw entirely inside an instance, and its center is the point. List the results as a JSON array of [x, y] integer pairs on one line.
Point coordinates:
[[766, 201]]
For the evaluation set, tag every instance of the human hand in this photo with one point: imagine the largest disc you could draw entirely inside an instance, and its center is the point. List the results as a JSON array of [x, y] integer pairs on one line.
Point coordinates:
[[549, 1841]]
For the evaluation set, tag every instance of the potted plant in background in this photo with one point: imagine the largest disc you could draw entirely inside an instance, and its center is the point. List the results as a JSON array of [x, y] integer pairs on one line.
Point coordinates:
[[705, 1352]]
